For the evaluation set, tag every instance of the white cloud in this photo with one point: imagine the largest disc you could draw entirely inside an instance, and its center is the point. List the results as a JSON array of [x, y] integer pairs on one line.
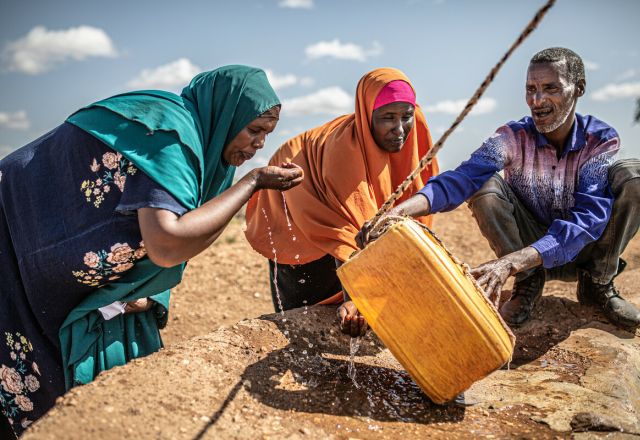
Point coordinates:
[[307, 81], [346, 51], [628, 74], [16, 120], [617, 91], [296, 4], [280, 81], [329, 101], [440, 129], [287, 132], [168, 76], [454, 107], [41, 49], [591, 65], [287, 80]]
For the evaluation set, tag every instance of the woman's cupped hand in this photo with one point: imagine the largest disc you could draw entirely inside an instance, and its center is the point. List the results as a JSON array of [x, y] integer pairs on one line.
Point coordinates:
[[281, 178]]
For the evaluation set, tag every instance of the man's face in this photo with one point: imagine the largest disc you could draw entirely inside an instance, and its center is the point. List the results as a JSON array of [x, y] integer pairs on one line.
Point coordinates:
[[550, 95]]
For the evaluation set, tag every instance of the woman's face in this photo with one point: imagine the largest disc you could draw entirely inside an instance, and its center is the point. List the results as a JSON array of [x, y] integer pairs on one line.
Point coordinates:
[[391, 125], [251, 138]]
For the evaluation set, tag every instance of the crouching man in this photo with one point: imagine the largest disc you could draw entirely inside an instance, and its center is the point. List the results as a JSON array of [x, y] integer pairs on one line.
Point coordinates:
[[565, 209]]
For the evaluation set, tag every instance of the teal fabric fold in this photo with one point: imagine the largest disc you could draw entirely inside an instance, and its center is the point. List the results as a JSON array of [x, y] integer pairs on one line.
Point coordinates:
[[178, 141]]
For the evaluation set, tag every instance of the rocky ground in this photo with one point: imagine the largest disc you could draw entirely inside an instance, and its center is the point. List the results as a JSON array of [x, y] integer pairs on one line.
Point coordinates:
[[226, 374]]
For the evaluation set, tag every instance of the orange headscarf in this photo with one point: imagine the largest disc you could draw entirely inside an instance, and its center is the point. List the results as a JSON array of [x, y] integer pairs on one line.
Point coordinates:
[[347, 177]]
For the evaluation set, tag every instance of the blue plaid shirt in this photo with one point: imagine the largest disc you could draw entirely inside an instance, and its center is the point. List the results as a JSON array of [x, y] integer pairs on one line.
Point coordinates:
[[570, 195]]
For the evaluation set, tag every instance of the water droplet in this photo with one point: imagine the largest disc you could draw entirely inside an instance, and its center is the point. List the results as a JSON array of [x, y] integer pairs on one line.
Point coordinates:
[[286, 332], [297, 256], [304, 351], [310, 345], [302, 281], [354, 346]]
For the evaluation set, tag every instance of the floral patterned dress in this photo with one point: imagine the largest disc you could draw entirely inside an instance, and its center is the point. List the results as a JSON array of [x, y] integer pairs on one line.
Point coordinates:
[[68, 225]]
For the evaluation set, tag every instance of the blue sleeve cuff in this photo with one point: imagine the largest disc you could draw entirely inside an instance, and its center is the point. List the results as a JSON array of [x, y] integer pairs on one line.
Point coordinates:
[[550, 251], [427, 191]]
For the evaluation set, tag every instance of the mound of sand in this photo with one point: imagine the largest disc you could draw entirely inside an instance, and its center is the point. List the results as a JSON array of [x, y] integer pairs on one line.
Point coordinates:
[[571, 370]]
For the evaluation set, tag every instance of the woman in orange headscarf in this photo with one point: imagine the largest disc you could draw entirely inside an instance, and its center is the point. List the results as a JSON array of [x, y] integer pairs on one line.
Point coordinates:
[[351, 166]]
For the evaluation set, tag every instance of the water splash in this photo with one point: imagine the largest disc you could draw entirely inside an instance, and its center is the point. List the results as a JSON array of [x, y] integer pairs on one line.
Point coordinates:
[[286, 214], [354, 346], [275, 267]]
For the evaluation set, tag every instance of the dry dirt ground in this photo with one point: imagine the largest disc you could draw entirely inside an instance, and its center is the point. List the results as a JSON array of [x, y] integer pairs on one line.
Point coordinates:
[[226, 375]]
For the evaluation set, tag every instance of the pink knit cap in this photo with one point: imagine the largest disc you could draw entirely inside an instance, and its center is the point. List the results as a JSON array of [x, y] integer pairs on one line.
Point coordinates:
[[395, 91]]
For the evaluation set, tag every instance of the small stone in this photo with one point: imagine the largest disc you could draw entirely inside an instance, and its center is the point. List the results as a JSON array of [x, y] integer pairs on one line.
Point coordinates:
[[305, 431]]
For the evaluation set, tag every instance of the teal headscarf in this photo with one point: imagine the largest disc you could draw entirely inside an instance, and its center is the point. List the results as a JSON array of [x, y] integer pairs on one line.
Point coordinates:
[[178, 142]]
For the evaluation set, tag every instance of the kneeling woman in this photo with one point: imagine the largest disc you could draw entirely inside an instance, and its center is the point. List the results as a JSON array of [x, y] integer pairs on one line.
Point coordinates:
[[351, 165], [98, 216]]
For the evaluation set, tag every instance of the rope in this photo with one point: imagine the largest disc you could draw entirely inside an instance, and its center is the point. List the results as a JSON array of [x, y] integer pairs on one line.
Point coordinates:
[[426, 160]]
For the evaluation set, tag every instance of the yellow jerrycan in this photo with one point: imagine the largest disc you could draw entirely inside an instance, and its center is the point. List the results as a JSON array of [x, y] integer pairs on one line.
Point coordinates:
[[427, 309]]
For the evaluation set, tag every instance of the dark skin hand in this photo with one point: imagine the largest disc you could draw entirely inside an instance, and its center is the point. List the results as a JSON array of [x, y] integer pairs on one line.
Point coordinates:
[[416, 206], [171, 239], [351, 321], [492, 275], [139, 305]]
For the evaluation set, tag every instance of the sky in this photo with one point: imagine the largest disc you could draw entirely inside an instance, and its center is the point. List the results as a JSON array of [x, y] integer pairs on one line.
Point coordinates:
[[56, 57]]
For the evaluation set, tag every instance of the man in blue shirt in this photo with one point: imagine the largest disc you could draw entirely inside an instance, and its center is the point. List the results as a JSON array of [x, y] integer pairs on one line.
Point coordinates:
[[563, 210]]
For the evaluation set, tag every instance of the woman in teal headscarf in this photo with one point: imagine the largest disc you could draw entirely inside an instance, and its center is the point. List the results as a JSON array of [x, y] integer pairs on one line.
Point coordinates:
[[98, 217]]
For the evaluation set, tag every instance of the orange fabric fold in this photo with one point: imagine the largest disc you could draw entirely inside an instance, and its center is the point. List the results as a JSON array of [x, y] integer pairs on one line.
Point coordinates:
[[347, 177]]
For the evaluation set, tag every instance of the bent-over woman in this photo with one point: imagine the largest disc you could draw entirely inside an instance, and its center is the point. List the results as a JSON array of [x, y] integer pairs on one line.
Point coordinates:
[[98, 217]]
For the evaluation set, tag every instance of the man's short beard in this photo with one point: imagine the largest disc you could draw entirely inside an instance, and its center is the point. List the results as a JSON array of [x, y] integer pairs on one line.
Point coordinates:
[[564, 114]]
